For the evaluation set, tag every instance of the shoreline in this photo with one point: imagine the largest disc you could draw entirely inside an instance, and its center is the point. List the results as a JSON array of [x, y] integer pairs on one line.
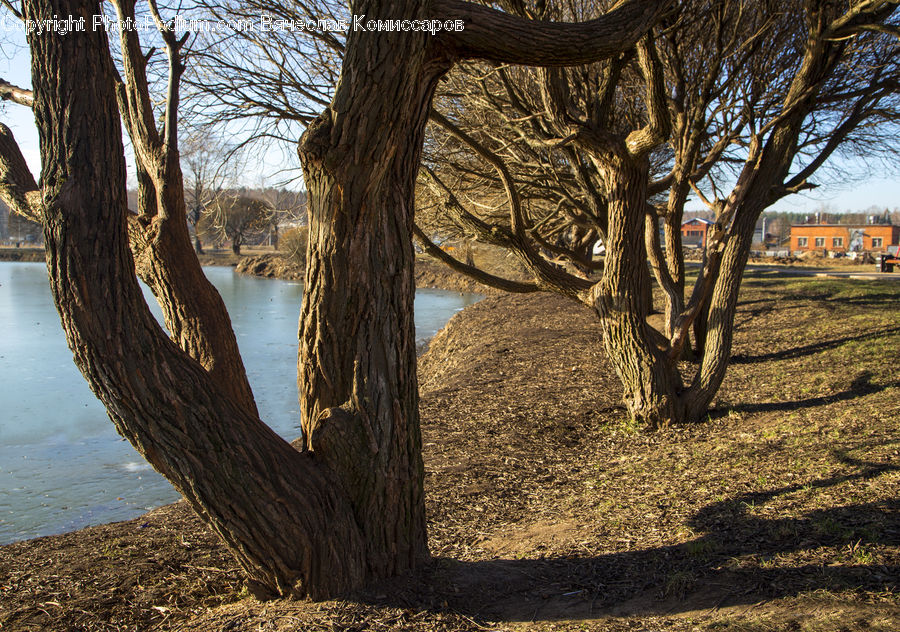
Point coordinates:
[[429, 273], [272, 265]]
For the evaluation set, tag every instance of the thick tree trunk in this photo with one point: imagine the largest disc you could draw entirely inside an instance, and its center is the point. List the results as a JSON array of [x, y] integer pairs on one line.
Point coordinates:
[[282, 515], [650, 383], [357, 367]]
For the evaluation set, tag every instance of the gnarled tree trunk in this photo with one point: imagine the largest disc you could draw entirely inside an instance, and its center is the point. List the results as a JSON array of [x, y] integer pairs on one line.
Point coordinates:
[[192, 308], [651, 384], [357, 367], [348, 506], [282, 515]]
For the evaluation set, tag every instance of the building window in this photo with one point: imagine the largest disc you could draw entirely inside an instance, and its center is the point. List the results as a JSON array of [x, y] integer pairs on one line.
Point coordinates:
[[820, 242], [877, 242], [802, 242], [837, 242]]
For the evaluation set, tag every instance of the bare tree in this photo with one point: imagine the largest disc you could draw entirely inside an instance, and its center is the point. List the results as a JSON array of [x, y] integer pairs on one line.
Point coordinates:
[[237, 218], [348, 506], [208, 167], [748, 98]]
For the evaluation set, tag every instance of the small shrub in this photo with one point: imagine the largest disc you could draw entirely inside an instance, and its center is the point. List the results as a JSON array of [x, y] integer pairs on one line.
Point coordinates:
[[292, 244]]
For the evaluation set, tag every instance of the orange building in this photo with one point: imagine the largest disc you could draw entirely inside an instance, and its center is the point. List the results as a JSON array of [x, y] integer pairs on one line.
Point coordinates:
[[693, 231], [844, 237]]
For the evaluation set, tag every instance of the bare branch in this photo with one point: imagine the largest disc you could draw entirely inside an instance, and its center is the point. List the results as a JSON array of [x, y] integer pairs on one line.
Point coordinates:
[[500, 37], [473, 272], [10, 92], [18, 188]]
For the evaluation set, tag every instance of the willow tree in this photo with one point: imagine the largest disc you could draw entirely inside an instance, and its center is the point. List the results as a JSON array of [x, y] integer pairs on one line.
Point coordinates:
[[752, 97], [347, 506]]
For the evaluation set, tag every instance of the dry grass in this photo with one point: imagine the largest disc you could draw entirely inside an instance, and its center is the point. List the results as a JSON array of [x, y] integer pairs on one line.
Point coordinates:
[[548, 510]]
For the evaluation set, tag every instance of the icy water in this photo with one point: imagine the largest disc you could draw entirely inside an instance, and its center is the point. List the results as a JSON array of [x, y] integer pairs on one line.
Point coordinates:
[[62, 465]]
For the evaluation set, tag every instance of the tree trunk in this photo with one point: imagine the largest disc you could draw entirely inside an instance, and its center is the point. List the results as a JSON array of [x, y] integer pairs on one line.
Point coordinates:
[[193, 311], [280, 513], [650, 383], [718, 315], [674, 253], [357, 366], [236, 245]]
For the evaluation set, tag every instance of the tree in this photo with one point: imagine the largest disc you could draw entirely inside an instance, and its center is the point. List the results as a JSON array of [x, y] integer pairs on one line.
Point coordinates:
[[237, 218], [205, 163], [752, 98], [348, 505], [724, 74]]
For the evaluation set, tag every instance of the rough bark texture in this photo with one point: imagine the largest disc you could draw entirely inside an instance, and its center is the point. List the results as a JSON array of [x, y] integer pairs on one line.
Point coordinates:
[[651, 386], [506, 38], [349, 505], [194, 313], [357, 368], [279, 512]]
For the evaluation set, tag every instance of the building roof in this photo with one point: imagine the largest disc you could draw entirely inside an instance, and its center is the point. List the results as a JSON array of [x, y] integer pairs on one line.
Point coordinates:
[[696, 220]]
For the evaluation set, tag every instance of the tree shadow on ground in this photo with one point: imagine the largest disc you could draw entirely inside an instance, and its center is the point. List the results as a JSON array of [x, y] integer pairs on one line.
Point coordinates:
[[859, 387], [807, 350], [743, 556]]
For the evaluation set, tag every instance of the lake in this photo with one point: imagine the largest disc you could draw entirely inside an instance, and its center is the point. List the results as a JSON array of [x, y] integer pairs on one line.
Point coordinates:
[[62, 464]]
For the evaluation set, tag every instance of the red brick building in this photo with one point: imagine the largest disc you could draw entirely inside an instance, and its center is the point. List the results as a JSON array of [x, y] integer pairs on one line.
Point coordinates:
[[844, 237]]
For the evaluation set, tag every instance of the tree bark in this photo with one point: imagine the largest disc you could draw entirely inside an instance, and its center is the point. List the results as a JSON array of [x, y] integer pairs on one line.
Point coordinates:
[[280, 513], [651, 386], [347, 507], [194, 313], [718, 316], [357, 364]]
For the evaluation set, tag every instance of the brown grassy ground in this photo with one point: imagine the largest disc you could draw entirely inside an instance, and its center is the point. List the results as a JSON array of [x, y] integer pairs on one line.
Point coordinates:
[[548, 510]]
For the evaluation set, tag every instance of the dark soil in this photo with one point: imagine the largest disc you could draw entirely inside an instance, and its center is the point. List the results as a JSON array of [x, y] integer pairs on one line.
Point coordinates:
[[548, 509]]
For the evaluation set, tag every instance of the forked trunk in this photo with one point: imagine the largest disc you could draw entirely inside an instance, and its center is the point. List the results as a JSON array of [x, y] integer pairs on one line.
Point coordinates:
[[718, 317], [288, 520], [192, 308], [193, 311]]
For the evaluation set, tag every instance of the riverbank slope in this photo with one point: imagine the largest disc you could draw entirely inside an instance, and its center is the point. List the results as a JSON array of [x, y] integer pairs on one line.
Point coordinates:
[[429, 273], [272, 265], [548, 510]]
